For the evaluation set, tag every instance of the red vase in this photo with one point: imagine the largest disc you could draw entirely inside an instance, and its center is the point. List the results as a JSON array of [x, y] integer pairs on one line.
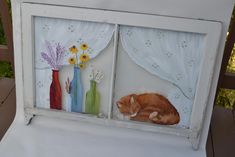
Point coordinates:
[[55, 91]]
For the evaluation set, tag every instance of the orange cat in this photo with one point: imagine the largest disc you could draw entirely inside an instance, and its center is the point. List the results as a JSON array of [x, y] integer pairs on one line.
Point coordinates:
[[149, 107]]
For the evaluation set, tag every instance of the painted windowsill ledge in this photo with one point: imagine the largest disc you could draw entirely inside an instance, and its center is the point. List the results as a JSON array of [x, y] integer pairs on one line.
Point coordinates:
[[50, 137]]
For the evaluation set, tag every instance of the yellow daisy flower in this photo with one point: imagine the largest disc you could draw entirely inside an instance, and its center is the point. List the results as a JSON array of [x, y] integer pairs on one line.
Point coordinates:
[[84, 57], [72, 60], [82, 66], [73, 49], [84, 46]]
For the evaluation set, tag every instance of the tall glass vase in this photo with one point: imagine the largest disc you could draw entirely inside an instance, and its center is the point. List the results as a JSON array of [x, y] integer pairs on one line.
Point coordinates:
[[76, 91], [55, 91], [92, 99]]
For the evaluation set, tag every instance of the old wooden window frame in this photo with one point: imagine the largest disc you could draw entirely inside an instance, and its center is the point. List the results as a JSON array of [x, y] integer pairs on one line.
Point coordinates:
[[210, 29]]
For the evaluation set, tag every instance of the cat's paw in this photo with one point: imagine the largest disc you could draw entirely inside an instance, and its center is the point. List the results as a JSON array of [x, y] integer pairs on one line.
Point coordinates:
[[153, 115]]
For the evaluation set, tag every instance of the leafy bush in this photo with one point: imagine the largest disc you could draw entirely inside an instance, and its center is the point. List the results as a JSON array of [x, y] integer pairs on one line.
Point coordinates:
[[2, 36], [226, 98], [6, 69], [231, 63]]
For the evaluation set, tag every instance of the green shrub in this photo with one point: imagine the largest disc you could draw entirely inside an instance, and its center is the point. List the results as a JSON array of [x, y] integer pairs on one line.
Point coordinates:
[[6, 69], [2, 36], [226, 98]]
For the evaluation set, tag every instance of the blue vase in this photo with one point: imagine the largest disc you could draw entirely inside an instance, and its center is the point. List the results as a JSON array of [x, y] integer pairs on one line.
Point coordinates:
[[76, 92]]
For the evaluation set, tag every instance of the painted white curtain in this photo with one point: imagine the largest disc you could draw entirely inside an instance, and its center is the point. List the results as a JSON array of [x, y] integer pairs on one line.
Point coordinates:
[[170, 55], [69, 33]]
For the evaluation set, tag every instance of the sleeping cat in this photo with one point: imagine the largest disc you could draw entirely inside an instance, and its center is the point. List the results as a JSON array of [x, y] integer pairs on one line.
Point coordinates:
[[148, 107]]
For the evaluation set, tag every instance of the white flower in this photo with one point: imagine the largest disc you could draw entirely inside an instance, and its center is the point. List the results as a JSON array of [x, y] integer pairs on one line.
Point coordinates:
[[95, 74]]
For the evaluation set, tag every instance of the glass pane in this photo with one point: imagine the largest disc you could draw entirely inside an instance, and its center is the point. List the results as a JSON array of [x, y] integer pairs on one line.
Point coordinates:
[[226, 98], [71, 58], [156, 75]]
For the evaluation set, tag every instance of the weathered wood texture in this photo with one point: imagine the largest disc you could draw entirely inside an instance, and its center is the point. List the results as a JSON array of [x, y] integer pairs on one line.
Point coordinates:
[[209, 145], [222, 133], [6, 86], [6, 51], [7, 105], [226, 80]]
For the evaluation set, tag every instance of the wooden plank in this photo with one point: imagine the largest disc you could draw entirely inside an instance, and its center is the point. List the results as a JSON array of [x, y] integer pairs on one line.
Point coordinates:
[[209, 145], [107, 122], [7, 113], [121, 18], [227, 53], [7, 26], [223, 132], [115, 50], [228, 81], [6, 85], [3, 48], [4, 54]]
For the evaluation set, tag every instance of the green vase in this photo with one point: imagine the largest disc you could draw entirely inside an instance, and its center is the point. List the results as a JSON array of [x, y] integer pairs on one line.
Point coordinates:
[[92, 99]]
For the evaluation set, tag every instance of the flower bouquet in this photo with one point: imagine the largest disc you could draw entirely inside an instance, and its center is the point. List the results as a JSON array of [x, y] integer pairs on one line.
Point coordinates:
[[93, 95], [75, 87], [53, 56]]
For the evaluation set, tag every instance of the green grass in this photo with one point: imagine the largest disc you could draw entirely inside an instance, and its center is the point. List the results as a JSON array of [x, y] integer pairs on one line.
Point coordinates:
[[6, 69]]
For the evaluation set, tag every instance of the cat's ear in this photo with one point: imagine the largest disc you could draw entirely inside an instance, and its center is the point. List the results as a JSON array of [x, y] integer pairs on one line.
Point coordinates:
[[132, 101], [119, 105], [135, 106]]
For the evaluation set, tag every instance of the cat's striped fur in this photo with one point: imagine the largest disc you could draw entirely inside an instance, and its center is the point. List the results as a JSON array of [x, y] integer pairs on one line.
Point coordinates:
[[149, 107]]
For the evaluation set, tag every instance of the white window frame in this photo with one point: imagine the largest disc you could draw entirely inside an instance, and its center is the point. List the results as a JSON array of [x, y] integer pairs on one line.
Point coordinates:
[[210, 29]]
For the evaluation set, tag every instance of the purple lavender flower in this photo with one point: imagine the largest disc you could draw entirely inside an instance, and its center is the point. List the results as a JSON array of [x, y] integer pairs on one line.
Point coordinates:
[[53, 55]]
